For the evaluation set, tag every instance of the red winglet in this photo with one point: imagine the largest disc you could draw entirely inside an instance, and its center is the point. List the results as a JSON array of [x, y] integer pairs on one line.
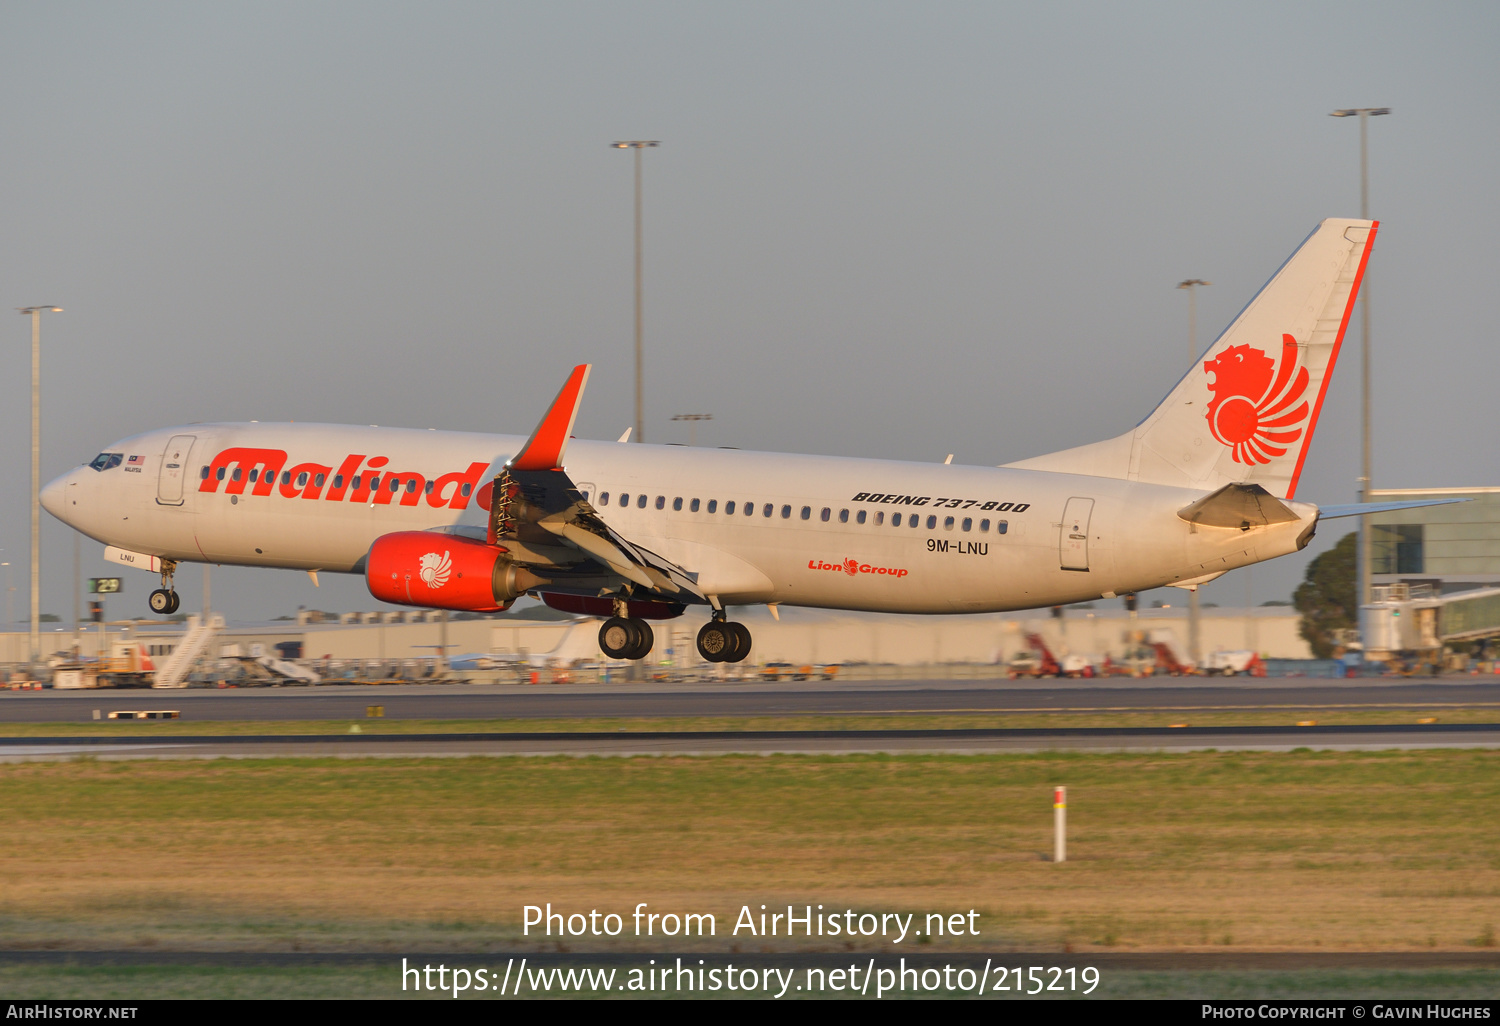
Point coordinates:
[[544, 450]]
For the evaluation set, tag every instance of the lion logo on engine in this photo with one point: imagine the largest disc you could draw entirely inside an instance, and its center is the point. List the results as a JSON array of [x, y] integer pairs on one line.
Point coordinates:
[[1253, 398], [434, 569]]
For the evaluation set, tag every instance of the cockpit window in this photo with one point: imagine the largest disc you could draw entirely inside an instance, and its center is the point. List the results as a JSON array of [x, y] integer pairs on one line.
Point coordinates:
[[107, 460]]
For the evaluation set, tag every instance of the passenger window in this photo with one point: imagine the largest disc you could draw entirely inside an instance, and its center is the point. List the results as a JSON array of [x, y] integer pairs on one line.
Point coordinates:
[[203, 474], [640, 501], [786, 512], [319, 479], [895, 520], [750, 509], [858, 517], [806, 512], [695, 506], [355, 482], [604, 498], [677, 504], [968, 524], [238, 471], [947, 523], [254, 474], [302, 479], [624, 498], [713, 506], [374, 482], [661, 502], [728, 507], [219, 474], [931, 523], [411, 486], [427, 490], [395, 485], [286, 477], [467, 488], [828, 513], [1000, 526], [984, 525], [879, 517]]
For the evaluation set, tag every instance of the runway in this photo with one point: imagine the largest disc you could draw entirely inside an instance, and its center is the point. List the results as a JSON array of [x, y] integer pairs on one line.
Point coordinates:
[[513, 701], [759, 742]]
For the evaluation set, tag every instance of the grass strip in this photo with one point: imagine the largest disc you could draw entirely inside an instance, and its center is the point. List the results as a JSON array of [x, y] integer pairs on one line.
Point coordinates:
[[1341, 851]]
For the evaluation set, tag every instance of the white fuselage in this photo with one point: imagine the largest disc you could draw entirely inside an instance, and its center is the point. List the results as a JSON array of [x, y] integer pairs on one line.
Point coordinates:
[[984, 539]]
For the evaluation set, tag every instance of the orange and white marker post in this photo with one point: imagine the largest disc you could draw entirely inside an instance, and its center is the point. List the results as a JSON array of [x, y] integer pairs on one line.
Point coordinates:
[[1059, 824]]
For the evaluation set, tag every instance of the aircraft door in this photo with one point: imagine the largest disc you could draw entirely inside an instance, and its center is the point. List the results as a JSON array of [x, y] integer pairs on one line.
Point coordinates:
[[174, 466], [1073, 540]]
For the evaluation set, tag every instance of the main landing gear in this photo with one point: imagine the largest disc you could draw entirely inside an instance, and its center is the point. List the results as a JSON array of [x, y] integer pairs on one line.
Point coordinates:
[[165, 600], [723, 641], [626, 637]]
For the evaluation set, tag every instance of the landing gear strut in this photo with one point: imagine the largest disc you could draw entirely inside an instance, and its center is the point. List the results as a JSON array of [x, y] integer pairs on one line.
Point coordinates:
[[723, 641], [165, 600]]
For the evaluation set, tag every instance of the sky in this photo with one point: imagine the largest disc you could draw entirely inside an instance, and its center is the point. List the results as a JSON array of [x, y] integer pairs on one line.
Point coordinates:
[[871, 229]]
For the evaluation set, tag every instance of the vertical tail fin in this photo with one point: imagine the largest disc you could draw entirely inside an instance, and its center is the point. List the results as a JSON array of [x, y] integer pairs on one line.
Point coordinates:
[[1246, 411]]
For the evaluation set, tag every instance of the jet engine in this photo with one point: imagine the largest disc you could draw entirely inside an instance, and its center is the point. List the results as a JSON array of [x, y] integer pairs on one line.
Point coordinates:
[[444, 571]]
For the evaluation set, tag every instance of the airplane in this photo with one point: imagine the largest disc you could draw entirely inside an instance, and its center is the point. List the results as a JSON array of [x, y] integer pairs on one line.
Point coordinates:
[[1206, 483]]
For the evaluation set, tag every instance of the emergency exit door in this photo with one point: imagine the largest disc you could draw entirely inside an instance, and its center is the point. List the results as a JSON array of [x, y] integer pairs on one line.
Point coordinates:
[[174, 461], [1073, 543]]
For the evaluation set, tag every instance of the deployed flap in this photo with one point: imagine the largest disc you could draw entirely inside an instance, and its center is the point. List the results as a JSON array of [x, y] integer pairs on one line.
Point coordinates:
[[1354, 509], [544, 449], [1240, 506]]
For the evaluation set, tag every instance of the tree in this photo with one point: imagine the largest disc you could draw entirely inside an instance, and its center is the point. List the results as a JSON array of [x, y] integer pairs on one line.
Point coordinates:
[[1326, 598]]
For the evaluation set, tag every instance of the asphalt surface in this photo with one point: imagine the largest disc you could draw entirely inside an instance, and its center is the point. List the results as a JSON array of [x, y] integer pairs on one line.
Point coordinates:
[[576, 701], [762, 742]]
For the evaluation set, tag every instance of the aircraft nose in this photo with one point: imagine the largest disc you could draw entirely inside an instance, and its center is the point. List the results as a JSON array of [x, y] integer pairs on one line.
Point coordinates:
[[54, 495]]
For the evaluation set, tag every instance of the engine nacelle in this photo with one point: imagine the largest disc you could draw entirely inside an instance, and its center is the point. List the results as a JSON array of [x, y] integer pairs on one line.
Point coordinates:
[[444, 571]]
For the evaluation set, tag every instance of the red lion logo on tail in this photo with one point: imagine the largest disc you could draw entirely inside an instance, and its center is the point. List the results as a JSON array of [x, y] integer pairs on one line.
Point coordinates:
[[1252, 395]]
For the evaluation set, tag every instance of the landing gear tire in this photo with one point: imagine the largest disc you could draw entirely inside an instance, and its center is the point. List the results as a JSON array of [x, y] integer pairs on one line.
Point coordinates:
[[723, 642], [646, 637], [741, 642], [626, 638], [716, 641], [163, 602]]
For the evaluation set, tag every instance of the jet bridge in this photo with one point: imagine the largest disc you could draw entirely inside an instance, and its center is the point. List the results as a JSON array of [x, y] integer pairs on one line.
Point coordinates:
[[1415, 618]]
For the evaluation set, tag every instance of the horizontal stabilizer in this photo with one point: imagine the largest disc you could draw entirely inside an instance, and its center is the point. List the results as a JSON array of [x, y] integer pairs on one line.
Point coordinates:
[[1354, 509], [1240, 506]]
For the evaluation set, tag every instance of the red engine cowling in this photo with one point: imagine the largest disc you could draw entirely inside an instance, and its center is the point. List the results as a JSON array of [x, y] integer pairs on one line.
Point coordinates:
[[444, 571]]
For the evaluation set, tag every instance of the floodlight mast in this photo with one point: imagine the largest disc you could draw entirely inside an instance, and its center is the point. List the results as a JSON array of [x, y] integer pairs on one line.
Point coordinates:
[[638, 145], [35, 312], [1366, 481]]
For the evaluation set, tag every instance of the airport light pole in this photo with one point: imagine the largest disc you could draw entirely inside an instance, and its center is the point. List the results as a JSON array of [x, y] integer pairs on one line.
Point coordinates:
[[36, 473], [692, 423], [1192, 285], [638, 145], [1366, 481]]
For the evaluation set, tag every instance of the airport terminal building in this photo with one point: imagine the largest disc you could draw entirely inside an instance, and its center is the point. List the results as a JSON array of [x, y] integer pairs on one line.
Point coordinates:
[[1448, 548]]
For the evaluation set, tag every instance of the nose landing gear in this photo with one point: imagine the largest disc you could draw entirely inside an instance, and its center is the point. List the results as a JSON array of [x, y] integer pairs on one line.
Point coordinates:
[[165, 600]]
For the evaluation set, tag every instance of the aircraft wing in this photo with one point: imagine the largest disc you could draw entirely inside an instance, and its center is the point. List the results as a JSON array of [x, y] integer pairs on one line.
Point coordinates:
[[534, 504]]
